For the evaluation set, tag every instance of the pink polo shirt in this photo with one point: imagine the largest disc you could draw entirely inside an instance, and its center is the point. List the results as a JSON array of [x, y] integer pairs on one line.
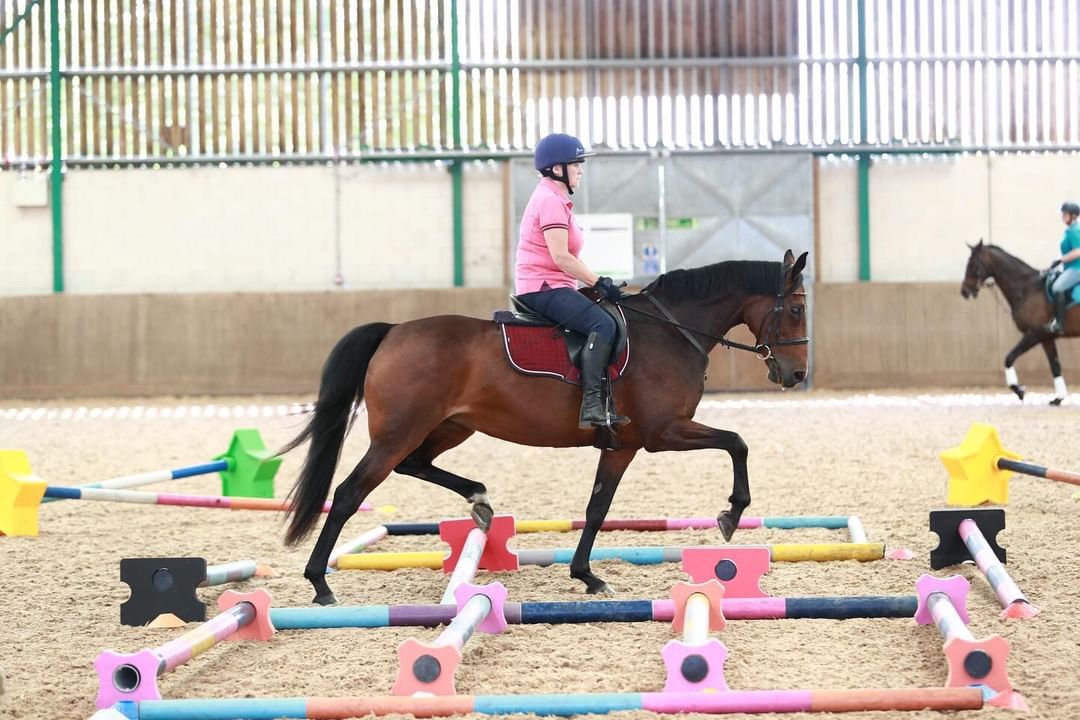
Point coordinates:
[[549, 207]]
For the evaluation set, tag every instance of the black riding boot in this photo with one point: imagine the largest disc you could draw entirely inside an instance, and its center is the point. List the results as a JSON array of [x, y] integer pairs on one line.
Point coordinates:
[[594, 361], [1061, 303]]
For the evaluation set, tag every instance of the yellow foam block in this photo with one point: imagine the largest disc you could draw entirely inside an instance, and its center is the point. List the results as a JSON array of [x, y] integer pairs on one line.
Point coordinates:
[[20, 494], [974, 477]]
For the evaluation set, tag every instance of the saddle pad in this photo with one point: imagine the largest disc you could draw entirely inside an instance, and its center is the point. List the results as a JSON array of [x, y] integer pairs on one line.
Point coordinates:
[[1074, 292], [541, 350]]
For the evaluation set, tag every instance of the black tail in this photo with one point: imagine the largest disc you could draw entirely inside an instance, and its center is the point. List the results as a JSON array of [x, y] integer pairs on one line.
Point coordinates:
[[341, 390]]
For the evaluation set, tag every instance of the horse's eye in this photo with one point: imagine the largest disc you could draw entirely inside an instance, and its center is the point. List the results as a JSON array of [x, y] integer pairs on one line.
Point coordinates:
[[797, 310]]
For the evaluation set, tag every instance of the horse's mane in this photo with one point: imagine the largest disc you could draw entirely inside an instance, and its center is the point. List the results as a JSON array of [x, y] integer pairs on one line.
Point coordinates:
[[754, 277], [997, 249]]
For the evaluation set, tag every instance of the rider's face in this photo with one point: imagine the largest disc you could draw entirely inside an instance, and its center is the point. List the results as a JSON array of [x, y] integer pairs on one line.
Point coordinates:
[[575, 171], [1068, 218]]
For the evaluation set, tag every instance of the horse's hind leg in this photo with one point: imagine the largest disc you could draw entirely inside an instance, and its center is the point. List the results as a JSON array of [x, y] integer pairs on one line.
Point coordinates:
[[608, 474], [418, 465], [1028, 341], [365, 477], [1060, 391]]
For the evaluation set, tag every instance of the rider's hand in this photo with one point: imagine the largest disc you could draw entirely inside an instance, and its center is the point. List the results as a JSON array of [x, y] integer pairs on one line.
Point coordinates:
[[606, 287]]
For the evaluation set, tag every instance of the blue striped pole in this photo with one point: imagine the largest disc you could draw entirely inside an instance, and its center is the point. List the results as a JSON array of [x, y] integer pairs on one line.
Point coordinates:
[[129, 481]]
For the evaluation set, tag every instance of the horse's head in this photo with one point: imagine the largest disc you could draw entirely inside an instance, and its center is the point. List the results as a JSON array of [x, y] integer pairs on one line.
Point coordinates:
[[779, 324], [979, 270]]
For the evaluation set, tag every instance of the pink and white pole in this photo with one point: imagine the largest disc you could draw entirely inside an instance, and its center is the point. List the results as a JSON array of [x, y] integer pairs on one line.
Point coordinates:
[[244, 616], [1008, 592], [430, 668], [358, 543], [696, 663], [467, 565], [943, 602]]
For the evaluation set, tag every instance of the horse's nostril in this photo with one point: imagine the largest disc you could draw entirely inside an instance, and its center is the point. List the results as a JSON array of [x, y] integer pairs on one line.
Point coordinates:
[[799, 376]]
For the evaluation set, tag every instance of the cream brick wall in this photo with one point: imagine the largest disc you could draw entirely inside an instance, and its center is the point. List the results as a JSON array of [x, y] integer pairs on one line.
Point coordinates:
[[256, 229], [25, 243], [924, 212], [268, 229], [838, 221], [485, 230]]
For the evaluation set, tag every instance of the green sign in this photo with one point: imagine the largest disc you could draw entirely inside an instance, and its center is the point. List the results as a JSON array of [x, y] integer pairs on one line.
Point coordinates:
[[673, 223]]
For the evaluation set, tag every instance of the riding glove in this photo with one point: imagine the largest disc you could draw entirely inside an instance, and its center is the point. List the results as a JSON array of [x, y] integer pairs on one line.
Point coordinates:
[[606, 286]]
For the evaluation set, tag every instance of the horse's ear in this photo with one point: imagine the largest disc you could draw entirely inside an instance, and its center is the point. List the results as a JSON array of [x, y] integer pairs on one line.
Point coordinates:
[[799, 265], [789, 257], [970, 246], [980, 243]]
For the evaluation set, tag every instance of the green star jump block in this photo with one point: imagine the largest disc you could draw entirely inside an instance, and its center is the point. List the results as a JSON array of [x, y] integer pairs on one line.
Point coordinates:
[[251, 468], [975, 477]]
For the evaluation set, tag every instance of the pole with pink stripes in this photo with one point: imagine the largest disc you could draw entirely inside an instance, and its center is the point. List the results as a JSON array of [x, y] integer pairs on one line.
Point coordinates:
[[243, 616], [1007, 591]]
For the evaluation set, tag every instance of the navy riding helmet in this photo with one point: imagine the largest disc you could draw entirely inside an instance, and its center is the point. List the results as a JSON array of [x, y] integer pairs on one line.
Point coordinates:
[[1071, 208], [559, 149]]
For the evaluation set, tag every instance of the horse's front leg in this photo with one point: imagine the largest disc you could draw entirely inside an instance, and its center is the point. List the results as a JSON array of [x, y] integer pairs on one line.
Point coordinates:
[[1060, 391], [608, 474], [1028, 341], [689, 435]]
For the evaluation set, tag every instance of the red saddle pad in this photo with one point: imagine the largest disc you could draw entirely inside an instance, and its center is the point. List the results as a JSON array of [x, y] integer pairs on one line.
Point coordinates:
[[538, 350]]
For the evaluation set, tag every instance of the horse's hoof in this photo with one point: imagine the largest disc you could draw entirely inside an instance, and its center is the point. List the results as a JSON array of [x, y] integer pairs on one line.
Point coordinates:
[[1056, 402], [325, 599], [727, 526], [1019, 390], [602, 589], [482, 513]]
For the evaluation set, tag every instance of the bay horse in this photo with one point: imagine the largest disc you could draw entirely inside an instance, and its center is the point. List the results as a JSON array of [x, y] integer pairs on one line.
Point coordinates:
[[431, 383], [1024, 289]]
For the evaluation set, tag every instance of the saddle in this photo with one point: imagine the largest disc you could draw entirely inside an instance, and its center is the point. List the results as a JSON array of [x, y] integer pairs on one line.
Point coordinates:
[[1048, 281], [534, 346]]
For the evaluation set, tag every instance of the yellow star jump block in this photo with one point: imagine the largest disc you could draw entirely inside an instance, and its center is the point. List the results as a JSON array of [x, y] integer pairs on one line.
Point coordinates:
[[20, 494], [974, 475]]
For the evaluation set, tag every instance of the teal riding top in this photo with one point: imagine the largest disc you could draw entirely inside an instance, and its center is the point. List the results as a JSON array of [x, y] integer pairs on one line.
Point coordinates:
[[1070, 242]]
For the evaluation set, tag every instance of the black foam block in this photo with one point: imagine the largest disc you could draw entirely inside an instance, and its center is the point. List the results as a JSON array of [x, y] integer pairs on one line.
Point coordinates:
[[162, 585], [951, 549]]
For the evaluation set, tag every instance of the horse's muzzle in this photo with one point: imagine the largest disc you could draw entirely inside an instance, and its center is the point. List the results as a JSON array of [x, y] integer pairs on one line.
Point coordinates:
[[785, 379], [969, 292]]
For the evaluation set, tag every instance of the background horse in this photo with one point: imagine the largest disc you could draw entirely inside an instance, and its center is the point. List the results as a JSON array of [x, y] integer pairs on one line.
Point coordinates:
[[1024, 288], [431, 383]]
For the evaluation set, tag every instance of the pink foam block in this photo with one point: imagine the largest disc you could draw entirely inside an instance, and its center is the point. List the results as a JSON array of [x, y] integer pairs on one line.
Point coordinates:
[[258, 629], [443, 658], [693, 668], [957, 652], [712, 589], [136, 679], [496, 556], [956, 587], [495, 622], [740, 569]]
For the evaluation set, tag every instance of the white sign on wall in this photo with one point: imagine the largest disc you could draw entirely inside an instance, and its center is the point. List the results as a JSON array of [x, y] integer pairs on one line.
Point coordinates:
[[609, 244]]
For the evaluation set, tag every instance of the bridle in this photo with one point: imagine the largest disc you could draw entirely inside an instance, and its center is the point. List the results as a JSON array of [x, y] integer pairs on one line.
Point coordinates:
[[775, 320], [981, 274], [764, 350]]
